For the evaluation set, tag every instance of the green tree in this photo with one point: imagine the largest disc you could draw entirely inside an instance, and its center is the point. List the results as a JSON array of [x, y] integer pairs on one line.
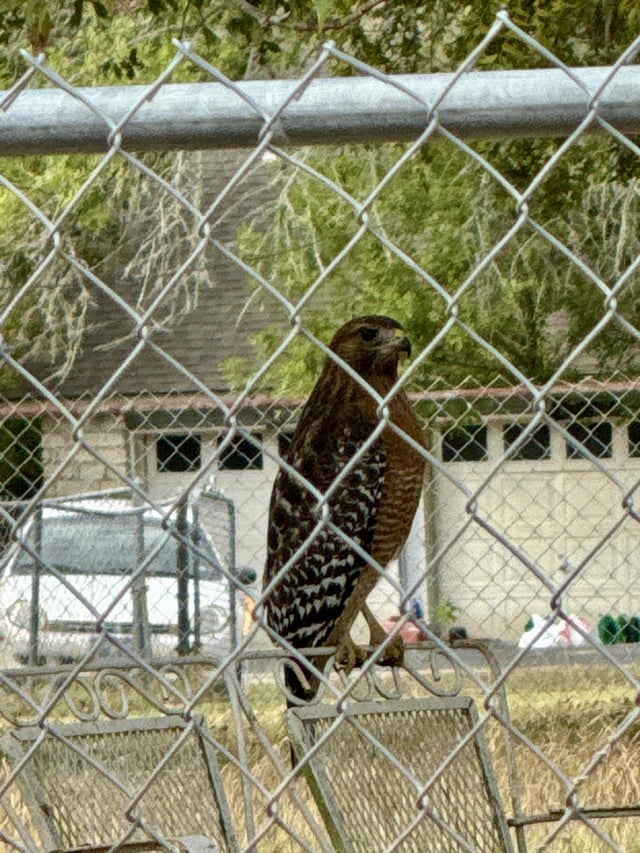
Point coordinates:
[[445, 213], [442, 209], [49, 292], [531, 306]]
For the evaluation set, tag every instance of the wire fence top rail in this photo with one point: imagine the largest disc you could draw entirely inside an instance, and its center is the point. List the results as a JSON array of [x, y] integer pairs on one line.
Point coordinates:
[[520, 103]]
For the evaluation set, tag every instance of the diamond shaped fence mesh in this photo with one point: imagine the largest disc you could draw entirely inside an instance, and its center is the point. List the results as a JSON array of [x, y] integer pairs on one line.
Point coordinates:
[[149, 391]]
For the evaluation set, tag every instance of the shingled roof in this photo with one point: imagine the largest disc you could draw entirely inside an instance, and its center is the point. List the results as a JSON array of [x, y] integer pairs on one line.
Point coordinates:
[[201, 338]]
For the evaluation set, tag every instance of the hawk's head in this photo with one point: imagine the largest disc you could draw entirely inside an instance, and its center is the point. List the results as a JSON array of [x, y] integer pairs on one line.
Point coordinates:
[[372, 345]]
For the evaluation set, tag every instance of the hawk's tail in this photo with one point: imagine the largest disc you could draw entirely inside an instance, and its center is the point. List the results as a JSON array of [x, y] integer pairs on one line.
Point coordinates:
[[304, 690]]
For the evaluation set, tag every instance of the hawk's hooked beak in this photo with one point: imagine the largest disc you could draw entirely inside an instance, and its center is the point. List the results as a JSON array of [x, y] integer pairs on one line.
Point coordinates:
[[401, 341]]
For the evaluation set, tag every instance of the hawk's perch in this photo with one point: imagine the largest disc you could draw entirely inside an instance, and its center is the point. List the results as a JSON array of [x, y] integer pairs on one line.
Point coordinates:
[[318, 598]]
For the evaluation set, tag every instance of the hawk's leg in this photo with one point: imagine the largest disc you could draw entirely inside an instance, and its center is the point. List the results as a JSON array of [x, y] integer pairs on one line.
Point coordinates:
[[393, 653], [348, 654]]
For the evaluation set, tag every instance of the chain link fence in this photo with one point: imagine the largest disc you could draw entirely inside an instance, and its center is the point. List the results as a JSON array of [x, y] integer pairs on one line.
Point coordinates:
[[147, 398]]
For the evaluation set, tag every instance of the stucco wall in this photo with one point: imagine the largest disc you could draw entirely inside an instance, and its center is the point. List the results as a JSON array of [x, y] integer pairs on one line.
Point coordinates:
[[78, 469], [553, 513]]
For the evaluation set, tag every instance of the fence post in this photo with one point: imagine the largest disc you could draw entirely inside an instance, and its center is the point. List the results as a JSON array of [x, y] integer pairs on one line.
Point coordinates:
[[182, 572], [34, 615], [195, 557], [431, 505], [141, 635]]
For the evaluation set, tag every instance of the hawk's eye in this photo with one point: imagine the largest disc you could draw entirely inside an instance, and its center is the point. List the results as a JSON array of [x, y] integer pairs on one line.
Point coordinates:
[[368, 334]]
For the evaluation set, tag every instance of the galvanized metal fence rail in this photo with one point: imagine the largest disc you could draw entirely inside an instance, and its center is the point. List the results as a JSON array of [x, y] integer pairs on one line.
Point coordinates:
[[135, 483]]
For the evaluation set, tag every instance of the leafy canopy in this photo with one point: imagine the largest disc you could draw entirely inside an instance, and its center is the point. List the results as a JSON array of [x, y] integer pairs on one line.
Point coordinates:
[[442, 210]]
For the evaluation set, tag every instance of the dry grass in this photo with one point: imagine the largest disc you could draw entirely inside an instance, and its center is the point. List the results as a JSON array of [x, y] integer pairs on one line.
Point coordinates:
[[569, 714]]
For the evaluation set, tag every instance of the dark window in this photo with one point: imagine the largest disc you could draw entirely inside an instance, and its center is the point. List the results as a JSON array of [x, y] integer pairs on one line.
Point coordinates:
[[595, 437], [178, 453], [284, 440], [633, 434], [537, 445], [243, 454], [465, 444], [20, 458]]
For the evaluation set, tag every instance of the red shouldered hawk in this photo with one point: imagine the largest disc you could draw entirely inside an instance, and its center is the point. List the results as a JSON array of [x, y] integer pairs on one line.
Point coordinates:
[[321, 593]]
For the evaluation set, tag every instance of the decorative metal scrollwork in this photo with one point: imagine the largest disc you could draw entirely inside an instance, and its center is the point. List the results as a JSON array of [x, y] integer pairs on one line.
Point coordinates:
[[108, 691]]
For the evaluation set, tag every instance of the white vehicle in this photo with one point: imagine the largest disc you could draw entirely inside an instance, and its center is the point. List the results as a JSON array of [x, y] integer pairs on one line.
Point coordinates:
[[84, 564]]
